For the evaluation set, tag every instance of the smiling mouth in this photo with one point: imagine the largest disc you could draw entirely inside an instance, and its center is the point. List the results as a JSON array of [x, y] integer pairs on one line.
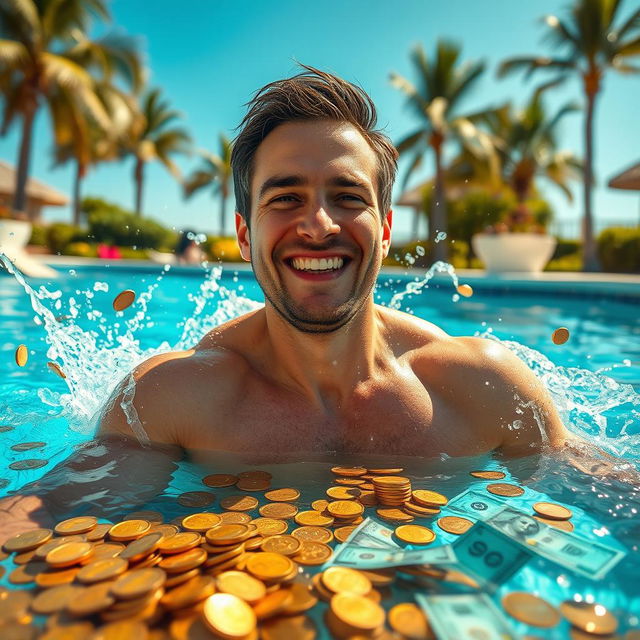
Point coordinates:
[[332, 264]]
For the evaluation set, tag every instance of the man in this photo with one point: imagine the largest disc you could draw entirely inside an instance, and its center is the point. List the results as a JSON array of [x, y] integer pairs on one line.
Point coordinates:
[[320, 368]]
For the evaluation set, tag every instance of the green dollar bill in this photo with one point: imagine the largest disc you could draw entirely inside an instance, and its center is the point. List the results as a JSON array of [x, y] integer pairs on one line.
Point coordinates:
[[475, 504]]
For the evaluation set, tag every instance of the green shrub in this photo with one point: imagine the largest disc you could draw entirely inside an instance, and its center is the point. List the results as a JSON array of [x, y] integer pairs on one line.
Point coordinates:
[[221, 248], [113, 225], [60, 235], [619, 249], [38, 235], [566, 248], [81, 249]]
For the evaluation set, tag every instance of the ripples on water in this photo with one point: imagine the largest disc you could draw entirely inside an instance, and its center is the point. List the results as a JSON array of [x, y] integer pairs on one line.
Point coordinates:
[[96, 357]]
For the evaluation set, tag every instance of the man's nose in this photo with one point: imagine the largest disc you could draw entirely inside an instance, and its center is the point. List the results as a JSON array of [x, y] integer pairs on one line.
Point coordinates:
[[317, 223]]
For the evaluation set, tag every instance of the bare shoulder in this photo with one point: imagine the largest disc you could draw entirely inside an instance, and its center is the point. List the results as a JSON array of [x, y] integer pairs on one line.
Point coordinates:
[[498, 392], [172, 392]]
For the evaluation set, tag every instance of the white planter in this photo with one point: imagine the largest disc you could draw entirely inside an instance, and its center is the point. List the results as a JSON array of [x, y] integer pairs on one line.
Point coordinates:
[[14, 236], [506, 252]]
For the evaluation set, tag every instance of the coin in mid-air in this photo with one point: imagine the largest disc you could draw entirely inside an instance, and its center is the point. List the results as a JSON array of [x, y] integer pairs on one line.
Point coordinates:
[[22, 355], [56, 369], [530, 609], [26, 465], [124, 299], [560, 335], [465, 290]]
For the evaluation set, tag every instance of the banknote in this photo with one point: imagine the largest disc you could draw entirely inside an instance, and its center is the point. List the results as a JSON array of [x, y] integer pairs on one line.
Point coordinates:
[[470, 615], [489, 555], [357, 557], [475, 505], [585, 557], [373, 535]]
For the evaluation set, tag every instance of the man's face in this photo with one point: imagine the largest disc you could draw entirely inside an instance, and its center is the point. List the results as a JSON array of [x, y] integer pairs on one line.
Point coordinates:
[[317, 237]]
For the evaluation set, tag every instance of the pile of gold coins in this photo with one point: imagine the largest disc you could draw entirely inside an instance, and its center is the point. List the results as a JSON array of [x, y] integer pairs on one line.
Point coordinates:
[[241, 573]]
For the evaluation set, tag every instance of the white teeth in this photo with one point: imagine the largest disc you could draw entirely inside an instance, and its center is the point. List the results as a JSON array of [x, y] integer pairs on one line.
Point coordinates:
[[317, 264]]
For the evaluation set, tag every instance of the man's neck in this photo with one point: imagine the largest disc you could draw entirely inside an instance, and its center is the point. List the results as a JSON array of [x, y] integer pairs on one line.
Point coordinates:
[[326, 367]]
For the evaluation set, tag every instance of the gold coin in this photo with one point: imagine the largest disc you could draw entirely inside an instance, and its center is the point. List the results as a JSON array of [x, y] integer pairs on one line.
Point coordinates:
[[313, 518], [55, 577], [415, 534], [138, 583], [357, 611], [27, 446], [278, 510], [423, 512], [505, 490], [302, 599], [28, 465], [319, 505], [142, 547], [201, 522], [429, 498], [342, 533], [343, 579], [74, 526], [21, 558], [409, 621], [235, 517], [229, 533], [282, 495], [465, 290], [180, 562], [40, 553], [395, 515], [368, 499], [218, 558], [22, 355], [454, 524], [488, 475], [120, 630], [312, 533], [220, 480], [565, 525], [343, 493], [270, 526], [273, 603], [91, 600], [27, 540], [386, 472], [100, 570], [27, 573], [55, 599], [241, 584], [107, 550], [129, 530], [530, 609], [589, 617], [269, 566], [98, 533], [56, 369], [345, 509], [560, 335], [286, 545], [180, 542], [391, 482], [181, 578], [189, 593], [313, 553], [195, 499], [229, 616], [69, 554], [349, 471], [253, 484], [552, 511], [287, 627], [351, 482], [239, 503], [13, 604], [123, 300]]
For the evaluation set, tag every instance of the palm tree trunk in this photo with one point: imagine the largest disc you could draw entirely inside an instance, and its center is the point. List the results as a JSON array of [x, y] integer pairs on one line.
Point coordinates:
[[223, 211], [590, 256], [438, 209], [24, 156], [77, 180], [138, 177]]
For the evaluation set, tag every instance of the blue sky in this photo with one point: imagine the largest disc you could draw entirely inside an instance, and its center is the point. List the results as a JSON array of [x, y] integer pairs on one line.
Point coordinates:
[[209, 56]]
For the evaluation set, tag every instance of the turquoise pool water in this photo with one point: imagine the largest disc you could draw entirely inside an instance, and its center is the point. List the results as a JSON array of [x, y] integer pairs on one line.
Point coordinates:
[[594, 379]]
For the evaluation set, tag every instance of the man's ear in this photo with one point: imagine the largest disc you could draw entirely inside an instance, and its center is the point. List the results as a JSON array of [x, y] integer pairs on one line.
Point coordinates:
[[386, 233], [244, 240]]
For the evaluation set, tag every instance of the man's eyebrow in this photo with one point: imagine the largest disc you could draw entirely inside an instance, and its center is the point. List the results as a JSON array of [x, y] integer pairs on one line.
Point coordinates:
[[276, 182]]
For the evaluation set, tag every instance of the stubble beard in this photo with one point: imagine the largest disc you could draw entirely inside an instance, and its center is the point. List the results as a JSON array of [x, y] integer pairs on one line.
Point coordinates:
[[297, 316]]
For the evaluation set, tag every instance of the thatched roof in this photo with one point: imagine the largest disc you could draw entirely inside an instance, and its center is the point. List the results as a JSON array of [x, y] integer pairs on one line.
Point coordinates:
[[628, 179], [36, 190]]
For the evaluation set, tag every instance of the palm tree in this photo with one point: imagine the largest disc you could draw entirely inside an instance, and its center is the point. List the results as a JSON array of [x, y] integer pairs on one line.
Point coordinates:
[[155, 141], [214, 172], [526, 143], [590, 44], [443, 83], [36, 66]]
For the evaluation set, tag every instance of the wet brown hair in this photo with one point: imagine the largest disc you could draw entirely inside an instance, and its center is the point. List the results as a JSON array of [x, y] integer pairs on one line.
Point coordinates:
[[310, 95]]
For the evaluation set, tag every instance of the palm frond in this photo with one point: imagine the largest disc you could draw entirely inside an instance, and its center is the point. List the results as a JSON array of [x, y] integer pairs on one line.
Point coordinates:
[[414, 99], [411, 140], [197, 181], [13, 54], [416, 163], [627, 49], [19, 20], [530, 64], [466, 81], [630, 24]]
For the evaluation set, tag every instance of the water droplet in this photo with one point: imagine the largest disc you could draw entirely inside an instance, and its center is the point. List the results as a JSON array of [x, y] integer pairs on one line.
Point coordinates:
[[441, 235]]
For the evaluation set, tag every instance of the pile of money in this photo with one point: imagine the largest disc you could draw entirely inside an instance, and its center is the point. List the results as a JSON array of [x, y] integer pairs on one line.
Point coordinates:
[[256, 566]]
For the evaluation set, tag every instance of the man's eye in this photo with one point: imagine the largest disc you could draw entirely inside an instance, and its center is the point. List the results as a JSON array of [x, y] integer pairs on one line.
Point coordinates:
[[281, 198]]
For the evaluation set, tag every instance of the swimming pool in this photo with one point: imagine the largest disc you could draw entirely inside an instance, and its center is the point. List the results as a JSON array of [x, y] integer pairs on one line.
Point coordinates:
[[594, 378]]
